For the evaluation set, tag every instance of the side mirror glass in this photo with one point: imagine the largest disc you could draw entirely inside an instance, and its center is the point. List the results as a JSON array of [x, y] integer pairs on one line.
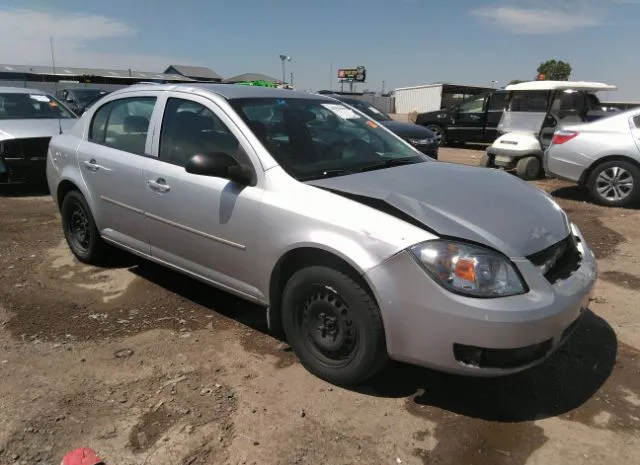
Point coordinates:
[[219, 165]]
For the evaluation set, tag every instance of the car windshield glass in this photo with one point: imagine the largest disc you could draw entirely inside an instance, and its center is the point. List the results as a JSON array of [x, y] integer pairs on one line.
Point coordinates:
[[523, 122], [314, 138], [31, 106], [529, 101], [85, 96], [369, 110]]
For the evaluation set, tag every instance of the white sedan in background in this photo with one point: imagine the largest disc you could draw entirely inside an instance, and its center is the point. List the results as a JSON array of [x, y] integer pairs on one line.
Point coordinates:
[[603, 155]]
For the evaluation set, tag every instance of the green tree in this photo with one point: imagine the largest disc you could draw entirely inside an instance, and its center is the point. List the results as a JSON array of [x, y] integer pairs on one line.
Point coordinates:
[[516, 81], [555, 70]]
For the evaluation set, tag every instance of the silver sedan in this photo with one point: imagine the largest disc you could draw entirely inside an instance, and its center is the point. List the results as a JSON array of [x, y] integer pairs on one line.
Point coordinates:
[[361, 247], [603, 155]]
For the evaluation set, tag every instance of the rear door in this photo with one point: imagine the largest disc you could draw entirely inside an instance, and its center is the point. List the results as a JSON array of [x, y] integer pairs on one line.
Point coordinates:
[[468, 120], [111, 159], [495, 107]]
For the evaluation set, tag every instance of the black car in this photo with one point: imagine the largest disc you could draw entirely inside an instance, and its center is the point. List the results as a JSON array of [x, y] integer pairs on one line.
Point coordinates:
[[79, 99], [420, 137]]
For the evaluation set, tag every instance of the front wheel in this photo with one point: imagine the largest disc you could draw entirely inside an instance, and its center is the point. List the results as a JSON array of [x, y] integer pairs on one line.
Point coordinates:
[[438, 132], [80, 229], [333, 325], [615, 184]]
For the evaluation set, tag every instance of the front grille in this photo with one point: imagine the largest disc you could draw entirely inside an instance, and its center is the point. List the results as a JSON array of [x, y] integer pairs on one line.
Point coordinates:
[[25, 148], [559, 261]]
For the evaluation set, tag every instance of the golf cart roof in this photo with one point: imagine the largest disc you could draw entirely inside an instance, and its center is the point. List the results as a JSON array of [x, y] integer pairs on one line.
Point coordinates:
[[561, 85]]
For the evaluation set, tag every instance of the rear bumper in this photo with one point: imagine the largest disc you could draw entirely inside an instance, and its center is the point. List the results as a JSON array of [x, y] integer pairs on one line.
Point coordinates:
[[22, 170]]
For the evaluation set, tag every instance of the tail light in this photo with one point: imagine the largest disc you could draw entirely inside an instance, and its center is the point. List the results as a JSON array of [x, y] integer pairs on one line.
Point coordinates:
[[560, 137]]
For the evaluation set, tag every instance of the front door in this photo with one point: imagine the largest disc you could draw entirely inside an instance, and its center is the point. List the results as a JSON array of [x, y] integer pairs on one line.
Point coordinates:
[[468, 120], [635, 131], [111, 160], [495, 107], [203, 225]]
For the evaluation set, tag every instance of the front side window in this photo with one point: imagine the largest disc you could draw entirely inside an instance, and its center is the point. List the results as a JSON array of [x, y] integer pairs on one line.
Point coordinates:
[[314, 138], [123, 124], [32, 106], [475, 105], [498, 102], [636, 121], [188, 129]]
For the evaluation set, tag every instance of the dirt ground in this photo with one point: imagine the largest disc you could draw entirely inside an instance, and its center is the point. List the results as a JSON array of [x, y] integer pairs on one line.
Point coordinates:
[[149, 367]]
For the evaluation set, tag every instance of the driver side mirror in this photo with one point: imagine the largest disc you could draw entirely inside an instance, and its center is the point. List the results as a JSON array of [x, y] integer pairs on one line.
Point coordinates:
[[219, 165]]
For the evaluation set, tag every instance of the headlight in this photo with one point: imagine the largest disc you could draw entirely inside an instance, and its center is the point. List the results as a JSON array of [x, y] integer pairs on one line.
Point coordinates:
[[468, 269], [420, 141]]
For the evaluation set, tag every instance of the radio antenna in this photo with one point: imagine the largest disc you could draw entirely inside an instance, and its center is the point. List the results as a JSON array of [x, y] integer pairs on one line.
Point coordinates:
[[55, 82]]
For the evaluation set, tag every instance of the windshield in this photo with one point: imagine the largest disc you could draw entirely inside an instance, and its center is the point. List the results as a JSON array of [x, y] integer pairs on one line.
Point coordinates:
[[31, 106], [521, 122], [369, 110], [85, 96], [312, 138]]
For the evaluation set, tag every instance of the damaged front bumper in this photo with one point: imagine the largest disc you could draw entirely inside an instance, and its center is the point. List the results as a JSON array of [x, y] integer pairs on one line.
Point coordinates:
[[429, 326]]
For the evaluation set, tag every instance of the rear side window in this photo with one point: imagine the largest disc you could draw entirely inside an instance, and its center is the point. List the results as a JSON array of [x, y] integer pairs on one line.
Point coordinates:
[[123, 124]]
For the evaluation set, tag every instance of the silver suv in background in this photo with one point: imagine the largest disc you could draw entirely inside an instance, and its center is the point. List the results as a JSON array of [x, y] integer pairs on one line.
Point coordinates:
[[361, 247]]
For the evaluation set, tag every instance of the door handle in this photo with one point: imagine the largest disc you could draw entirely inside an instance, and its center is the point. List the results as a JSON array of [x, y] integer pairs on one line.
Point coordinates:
[[91, 165], [159, 185], [475, 116]]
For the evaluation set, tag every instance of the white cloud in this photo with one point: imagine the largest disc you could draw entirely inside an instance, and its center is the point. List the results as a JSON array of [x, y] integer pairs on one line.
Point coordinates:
[[537, 20], [75, 35]]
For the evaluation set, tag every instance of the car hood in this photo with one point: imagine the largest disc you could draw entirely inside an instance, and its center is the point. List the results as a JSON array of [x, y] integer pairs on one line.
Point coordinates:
[[24, 128], [407, 129], [482, 205]]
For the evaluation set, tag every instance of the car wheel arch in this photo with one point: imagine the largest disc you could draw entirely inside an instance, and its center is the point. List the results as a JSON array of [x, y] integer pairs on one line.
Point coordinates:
[[600, 161], [298, 258]]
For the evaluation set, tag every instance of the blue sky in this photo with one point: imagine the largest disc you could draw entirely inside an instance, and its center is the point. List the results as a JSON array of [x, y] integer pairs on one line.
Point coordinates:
[[401, 42]]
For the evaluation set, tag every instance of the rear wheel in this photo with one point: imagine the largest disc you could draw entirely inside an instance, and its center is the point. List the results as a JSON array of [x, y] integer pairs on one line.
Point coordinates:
[[615, 183], [334, 325], [80, 229], [529, 168], [438, 132]]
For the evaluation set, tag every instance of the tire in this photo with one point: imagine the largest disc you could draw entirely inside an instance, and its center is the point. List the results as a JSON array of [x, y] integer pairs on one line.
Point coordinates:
[[80, 229], [486, 161], [529, 168], [622, 171], [439, 132], [321, 306]]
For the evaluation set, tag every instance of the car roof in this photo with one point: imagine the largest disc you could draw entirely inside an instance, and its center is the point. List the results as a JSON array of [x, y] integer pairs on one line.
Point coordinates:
[[561, 85], [21, 90], [227, 91]]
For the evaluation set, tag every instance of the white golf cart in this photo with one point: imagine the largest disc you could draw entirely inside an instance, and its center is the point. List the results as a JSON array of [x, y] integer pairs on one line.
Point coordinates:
[[534, 109]]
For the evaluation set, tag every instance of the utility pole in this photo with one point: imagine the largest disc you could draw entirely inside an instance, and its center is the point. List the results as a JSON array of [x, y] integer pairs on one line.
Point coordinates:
[[291, 83], [331, 77], [382, 87]]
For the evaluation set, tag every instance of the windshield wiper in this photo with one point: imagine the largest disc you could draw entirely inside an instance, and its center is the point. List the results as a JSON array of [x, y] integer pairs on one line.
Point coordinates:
[[326, 174], [389, 163]]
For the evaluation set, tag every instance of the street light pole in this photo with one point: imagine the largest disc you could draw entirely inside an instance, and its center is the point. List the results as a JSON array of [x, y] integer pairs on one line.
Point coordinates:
[[284, 58]]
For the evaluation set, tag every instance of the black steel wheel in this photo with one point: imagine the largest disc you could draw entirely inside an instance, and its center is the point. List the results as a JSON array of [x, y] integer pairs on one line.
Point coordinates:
[[80, 229], [333, 325]]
